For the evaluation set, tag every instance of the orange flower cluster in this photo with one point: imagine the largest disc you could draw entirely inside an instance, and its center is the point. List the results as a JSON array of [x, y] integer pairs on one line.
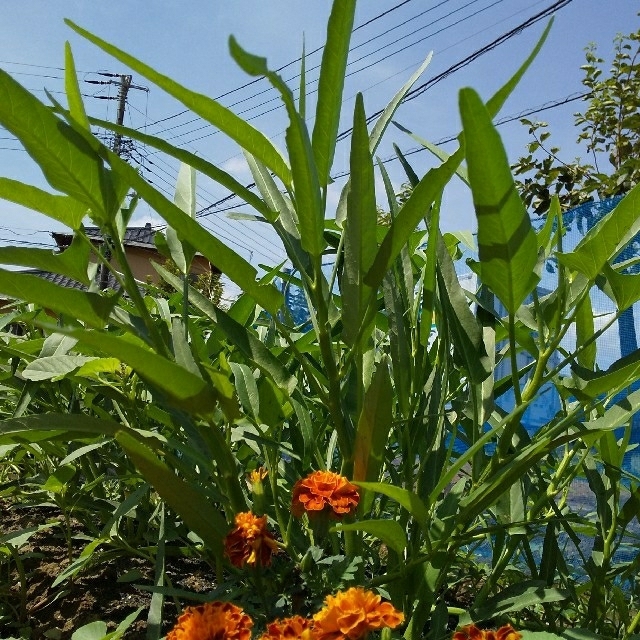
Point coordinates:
[[250, 542], [212, 621], [324, 491], [349, 615], [293, 628], [471, 632], [352, 614]]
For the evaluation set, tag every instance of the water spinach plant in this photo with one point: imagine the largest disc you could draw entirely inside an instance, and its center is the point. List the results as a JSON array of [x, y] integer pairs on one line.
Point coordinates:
[[366, 448]]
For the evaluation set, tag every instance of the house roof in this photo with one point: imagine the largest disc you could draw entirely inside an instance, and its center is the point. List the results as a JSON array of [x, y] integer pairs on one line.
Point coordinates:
[[133, 236]]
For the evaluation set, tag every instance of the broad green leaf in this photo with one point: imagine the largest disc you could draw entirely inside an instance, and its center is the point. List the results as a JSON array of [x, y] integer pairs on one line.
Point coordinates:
[[52, 367], [407, 499], [64, 156], [93, 631], [21, 537], [607, 238], [388, 531], [507, 244], [360, 228], [235, 127], [180, 385], [74, 98], [43, 425], [99, 365], [91, 308], [72, 262], [246, 341], [516, 597], [190, 504], [331, 85], [306, 185], [623, 288], [246, 388], [620, 374], [64, 209]]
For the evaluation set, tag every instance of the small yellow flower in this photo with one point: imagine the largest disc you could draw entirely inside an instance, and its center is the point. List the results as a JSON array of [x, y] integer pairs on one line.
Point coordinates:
[[258, 475], [212, 621]]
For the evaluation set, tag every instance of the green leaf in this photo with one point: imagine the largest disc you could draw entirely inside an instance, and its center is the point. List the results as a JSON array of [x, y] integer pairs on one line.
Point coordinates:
[[64, 156], [18, 538], [191, 505], [303, 169], [360, 228], [185, 199], [246, 341], [72, 262], [61, 208], [506, 241], [623, 288], [53, 367], [607, 238], [374, 426], [516, 597], [184, 388], [584, 333], [425, 193], [92, 308], [235, 127], [247, 389], [74, 98], [93, 631], [388, 531], [407, 499], [620, 374], [428, 189], [331, 86]]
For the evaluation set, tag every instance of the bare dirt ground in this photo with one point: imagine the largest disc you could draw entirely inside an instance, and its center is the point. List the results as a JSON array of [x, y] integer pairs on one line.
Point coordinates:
[[54, 613]]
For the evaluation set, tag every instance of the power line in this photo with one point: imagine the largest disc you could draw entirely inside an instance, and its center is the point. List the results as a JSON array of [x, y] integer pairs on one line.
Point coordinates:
[[288, 64], [350, 63]]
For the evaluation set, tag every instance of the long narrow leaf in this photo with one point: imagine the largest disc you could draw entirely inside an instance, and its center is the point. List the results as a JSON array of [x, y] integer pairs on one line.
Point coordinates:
[[331, 85], [507, 244], [235, 127]]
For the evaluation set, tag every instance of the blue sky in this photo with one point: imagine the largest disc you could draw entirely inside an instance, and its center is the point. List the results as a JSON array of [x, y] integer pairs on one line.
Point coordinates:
[[188, 41]]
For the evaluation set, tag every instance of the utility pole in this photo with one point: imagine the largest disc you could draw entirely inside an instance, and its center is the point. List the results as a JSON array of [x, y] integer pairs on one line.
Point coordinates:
[[125, 85], [123, 90]]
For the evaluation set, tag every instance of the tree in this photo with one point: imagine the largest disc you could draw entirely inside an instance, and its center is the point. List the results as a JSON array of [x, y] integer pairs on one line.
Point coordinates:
[[609, 131]]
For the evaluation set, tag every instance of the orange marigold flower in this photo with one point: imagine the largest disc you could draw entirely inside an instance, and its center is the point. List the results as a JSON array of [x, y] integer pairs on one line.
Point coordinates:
[[250, 542], [353, 614], [294, 628], [322, 490], [212, 621], [471, 632]]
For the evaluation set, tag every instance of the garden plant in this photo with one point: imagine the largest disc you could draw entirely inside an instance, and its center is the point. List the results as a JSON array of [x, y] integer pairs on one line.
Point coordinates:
[[350, 475]]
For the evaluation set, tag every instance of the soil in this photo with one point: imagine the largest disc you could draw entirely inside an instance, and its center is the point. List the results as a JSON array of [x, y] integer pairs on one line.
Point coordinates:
[[54, 613]]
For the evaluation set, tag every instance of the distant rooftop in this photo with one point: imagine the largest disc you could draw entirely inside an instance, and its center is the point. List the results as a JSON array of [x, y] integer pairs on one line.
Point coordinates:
[[133, 236]]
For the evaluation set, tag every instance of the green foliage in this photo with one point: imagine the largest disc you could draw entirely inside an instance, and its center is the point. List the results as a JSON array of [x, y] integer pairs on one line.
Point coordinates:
[[608, 132], [152, 409]]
